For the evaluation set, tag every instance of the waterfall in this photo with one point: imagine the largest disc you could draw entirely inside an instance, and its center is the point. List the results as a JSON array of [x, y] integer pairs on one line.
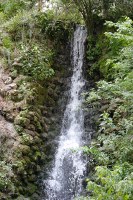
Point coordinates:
[[66, 177]]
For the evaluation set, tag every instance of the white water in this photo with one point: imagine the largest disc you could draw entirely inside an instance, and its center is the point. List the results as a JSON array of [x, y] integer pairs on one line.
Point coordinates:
[[65, 179]]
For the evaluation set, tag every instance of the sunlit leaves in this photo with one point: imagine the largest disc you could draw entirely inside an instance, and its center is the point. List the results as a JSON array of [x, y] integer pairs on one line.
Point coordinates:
[[112, 185], [113, 178], [36, 62]]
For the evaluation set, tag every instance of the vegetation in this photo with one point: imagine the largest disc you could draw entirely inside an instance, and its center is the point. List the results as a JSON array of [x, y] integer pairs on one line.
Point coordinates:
[[101, 10], [26, 34], [29, 43], [113, 148], [35, 62]]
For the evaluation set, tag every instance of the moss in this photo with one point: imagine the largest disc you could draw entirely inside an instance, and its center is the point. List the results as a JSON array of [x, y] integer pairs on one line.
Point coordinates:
[[24, 149], [19, 166], [21, 121], [30, 153], [22, 197], [14, 74], [19, 128], [31, 189], [24, 113], [32, 178], [26, 139]]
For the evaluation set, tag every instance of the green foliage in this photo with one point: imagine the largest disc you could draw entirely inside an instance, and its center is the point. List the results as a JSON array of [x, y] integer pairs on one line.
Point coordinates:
[[91, 48], [7, 43], [119, 52], [70, 12], [2, 17], [19, 21], [98, 10], [36, 62], [11, 7], [55, 28], [112, 184], [54, 24], [113, 149], [5, 177], [27, 38]]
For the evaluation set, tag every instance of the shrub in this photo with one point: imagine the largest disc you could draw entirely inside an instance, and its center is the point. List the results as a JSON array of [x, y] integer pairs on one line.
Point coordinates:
[[113, 148], [35, 62]]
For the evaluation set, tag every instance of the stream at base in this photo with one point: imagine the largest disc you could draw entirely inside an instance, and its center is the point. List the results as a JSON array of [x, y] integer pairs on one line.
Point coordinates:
[[65, 181]]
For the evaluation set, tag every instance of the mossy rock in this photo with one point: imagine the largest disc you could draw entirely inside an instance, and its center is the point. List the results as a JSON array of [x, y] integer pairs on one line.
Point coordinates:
[[19, 166], [26, 139], [34, 116], [32, 178], [31, 100], [16, 96], [29, 132], [37, 140], [22, 198], [40, 100], [19, 129], [14, 74], [35, 197], [24, 113], [38, 111], [39, 126], [24, 149], [31, 189], [27, 159], [38, 168], [24, 122], [31, 127]]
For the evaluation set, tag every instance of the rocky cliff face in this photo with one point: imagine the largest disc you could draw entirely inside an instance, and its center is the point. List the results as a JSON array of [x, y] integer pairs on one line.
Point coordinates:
[[30, 116]]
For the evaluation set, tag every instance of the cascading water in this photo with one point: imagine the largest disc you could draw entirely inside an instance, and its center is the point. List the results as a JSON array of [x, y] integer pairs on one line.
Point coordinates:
[[65, 179]]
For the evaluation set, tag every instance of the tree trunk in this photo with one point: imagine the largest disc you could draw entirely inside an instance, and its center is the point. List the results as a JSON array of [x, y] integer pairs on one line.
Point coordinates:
[[40, 5], [105, 7], [85, 7], [90, 26], [89, 19]]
